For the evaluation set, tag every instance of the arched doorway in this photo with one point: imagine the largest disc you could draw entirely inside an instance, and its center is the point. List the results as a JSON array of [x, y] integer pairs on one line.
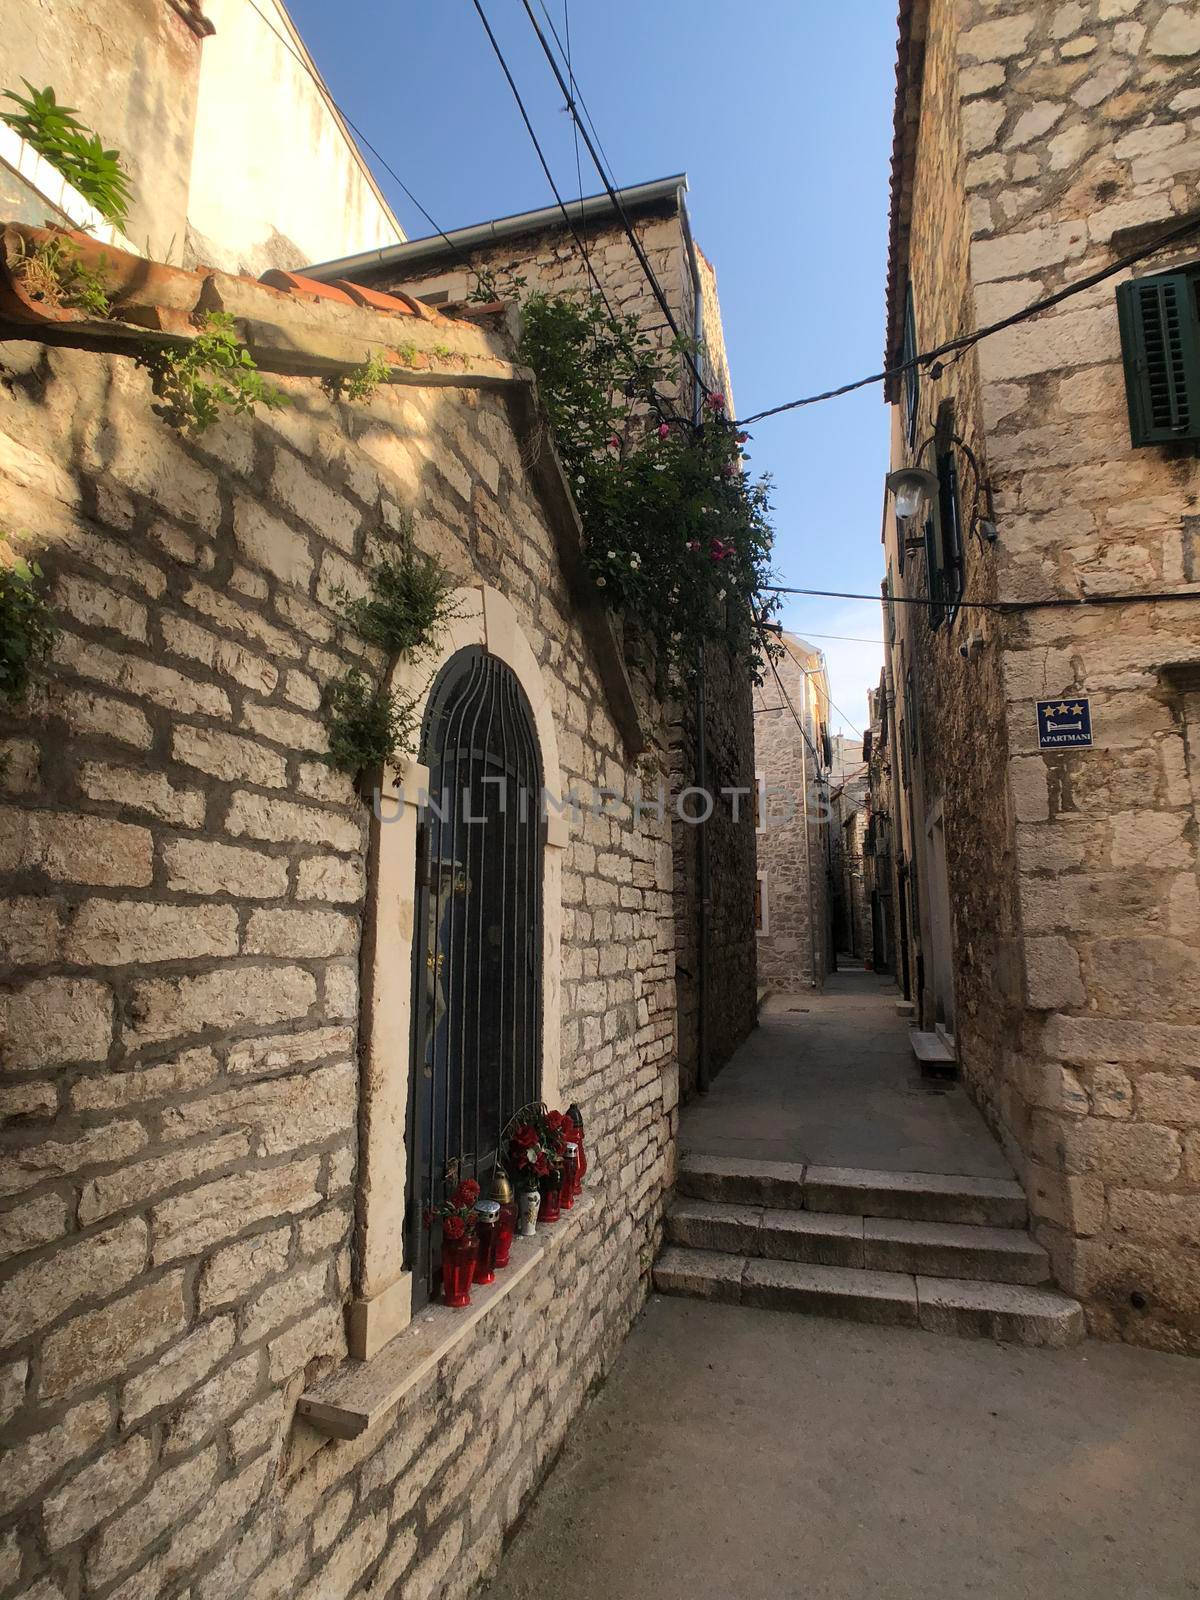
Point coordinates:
[[477, 946]]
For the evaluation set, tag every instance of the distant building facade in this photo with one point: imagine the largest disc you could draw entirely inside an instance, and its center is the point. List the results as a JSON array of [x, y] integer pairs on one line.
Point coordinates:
[[792, 759], [1046, 759]]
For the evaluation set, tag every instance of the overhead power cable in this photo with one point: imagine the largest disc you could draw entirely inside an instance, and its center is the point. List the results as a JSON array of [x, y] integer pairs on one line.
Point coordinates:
[[787, 701], [635, 242], [926, 358], [1004, 607]]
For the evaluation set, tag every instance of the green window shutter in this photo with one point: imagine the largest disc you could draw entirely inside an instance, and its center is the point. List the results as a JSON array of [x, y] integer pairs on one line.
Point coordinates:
[[912, 378], [1159, 319], [950, 511], [934, 574]]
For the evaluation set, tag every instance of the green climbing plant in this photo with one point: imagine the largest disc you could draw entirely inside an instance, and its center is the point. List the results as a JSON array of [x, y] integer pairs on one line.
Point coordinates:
[[27, 627], [405, 611], [54, 274], [214, 374]]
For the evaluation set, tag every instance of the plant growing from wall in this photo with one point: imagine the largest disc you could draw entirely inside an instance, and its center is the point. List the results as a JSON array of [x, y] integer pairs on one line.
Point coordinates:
[[678, 536], [54, 274], [56, 133], [361, 382], [27, 627], [405, 612], [214, 373]]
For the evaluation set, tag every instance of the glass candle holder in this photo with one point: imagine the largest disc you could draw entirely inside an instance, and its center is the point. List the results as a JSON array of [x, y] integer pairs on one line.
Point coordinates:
[[570, 1171], [487, 1216], [550, 1186], [458, 1267], [506, 1224], [576, 1117]]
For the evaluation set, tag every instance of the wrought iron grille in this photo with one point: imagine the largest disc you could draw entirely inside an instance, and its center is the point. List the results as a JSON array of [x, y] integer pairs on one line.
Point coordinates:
[[477, 945]]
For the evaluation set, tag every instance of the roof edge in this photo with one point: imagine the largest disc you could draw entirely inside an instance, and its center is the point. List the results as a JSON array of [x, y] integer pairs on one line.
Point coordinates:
[[911, 24], [591, 208]]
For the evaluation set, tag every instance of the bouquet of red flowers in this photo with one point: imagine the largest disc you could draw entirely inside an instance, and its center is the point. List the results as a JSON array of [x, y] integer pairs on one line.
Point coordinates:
[[457, 1214], [528, 1158]]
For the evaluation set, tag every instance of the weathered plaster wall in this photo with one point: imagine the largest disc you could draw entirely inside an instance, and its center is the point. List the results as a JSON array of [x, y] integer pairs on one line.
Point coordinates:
[[276, 179], [1081, 125], [131, 70], [794, 847], [184, 884]]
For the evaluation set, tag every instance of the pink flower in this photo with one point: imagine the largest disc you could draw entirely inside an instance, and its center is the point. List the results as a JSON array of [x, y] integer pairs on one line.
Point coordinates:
[[742, 437], [664, 431], [728, 470], [720, 551], [715, 401], [693, 544], [613, 442]]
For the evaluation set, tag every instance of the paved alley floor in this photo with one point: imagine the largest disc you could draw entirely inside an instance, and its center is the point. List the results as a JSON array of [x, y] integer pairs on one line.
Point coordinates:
[[829, 1077], [753, 1455]]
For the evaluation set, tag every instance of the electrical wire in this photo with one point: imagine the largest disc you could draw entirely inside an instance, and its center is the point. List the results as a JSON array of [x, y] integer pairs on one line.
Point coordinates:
[[967, 340], [787, 700], [635, 242], [1003, 607], [833, 705]]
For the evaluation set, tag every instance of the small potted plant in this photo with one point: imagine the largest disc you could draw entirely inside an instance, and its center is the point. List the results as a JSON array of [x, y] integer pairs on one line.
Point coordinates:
[[460, 1245]]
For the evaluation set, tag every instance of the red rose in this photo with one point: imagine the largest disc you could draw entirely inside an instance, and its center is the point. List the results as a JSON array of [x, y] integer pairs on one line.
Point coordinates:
[[525, 1137], [541, 1166], [465, 1195], [554, 1119], [453, 1228]]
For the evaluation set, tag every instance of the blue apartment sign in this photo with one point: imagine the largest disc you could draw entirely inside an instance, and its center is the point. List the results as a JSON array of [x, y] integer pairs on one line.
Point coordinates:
[[1065, 724]]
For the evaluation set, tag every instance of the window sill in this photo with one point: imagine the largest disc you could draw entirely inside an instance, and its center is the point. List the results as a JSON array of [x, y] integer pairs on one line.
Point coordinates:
[[362, 1393]]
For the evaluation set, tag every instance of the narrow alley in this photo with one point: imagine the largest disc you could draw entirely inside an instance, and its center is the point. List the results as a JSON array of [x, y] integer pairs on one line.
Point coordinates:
[[745, 1452]]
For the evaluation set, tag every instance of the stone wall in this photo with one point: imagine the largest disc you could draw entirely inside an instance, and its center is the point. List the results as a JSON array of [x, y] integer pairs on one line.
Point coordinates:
[[551, 262], [794, 845], [1089, 135], [1053, 138], [184, 883]]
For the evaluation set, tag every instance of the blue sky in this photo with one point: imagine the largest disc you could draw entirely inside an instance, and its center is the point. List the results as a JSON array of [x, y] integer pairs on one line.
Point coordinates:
[[780, 113]]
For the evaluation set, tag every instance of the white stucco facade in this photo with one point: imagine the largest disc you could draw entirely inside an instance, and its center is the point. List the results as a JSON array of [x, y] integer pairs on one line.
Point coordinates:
[[276, 178]]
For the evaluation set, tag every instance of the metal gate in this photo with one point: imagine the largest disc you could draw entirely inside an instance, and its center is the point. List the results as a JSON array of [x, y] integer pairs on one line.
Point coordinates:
[[477, 942]]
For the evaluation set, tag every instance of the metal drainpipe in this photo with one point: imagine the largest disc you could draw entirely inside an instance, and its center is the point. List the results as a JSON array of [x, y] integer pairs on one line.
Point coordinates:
[[812, 926], [703, 866]]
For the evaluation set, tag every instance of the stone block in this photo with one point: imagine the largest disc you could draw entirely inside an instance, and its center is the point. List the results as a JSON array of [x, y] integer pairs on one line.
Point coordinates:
[[334, 878], [230, 998], [137, 1181], [30, 932], [305, 735], [269, 543], [146, 679], [1129, 1152], [202, 866], [1172, 1097], [304, 935], [34, 1461], [1176, 34], [77, 849], [278, 1113], [98, 606], [707, 1226], [320, 1335], [997, 40], [286, 823], [1052, 979], [95, 1493], [703, 1274], [257, 1057], [178, 1370], [193, 1222], [1002, 1311], [135, 788], [232, 1274], [99, 1345], [26, 1165], [144, 1084], [848, 1292], [1165, 1218], [171, 1497], [223, 656], [82, 1269], [111, 933], [1093, 1039], [228, 756], [322, 508], [32, 1223], [296, 1295]]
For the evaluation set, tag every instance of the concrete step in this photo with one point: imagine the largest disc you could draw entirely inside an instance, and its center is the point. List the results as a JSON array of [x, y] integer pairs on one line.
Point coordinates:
[[935, 1249], [936, 1054], [851, 1191], [1009, 1312]]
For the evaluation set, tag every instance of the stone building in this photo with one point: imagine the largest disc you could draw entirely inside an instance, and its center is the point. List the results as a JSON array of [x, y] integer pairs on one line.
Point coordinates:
[[792, 758], [849, 821], [238, 157], [714, 864], [218, 1371], [1048, 876], [888, 949]]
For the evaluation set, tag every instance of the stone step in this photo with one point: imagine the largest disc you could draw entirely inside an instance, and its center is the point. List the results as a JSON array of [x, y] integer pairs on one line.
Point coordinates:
[[851, 1191], [936, 1249], [1009, 1312], [937, 1056]]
